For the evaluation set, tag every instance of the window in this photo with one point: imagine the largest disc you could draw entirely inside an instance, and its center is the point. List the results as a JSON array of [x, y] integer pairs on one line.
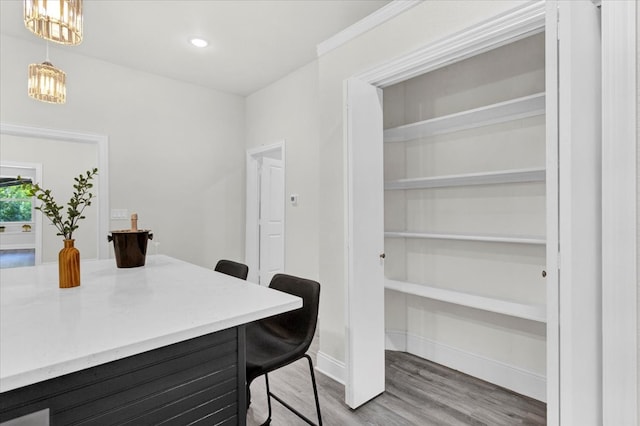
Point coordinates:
[[15, 204]]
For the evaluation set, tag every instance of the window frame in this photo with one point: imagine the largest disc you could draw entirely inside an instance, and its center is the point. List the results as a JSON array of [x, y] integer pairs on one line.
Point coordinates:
[[19, 222]]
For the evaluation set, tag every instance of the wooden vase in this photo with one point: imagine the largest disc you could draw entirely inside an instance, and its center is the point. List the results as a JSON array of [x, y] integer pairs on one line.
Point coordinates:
[[69, 265]]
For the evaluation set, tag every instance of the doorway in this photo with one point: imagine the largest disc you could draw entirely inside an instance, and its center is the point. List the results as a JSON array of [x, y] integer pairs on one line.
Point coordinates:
[[21, 240], [59, 151], [265, 221], [533, 18]]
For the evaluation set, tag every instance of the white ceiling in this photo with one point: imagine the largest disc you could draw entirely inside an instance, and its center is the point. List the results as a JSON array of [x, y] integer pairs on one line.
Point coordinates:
[[252, 43]]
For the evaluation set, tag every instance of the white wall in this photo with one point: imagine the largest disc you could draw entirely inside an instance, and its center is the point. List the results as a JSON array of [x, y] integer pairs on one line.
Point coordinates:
[[305, 108], [287, 110], [424, 23], [176, 150]]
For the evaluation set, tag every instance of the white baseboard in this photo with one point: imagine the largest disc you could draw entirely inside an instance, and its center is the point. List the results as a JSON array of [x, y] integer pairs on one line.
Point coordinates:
[[331, 367], [395, 341], [508, 376]]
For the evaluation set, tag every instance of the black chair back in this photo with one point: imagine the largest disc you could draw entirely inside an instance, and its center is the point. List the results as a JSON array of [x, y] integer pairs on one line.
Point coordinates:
[[273, 342], [235, 269], [297, 326]]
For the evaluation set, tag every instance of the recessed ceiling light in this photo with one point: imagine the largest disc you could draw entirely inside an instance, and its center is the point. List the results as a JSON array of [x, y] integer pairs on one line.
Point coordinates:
[[198, 42]]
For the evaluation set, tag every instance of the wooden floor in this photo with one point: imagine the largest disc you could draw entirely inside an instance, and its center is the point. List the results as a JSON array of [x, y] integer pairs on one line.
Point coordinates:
[[16, 258], [418, 392]]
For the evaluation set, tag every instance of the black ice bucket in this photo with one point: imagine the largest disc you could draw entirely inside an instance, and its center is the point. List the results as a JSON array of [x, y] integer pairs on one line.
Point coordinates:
[[130, 247]]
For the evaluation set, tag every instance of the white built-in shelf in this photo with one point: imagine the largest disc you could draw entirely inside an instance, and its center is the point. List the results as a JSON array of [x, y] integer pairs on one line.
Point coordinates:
[[531, 312], [501, 112], [519, 239], [536, 174]]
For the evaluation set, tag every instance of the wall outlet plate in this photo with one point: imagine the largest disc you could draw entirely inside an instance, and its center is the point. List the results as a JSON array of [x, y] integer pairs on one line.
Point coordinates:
[[119, 214]]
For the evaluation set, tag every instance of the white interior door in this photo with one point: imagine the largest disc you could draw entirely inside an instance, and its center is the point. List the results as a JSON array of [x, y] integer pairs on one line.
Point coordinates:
[[271, 219], [365, 286], [552, 246]]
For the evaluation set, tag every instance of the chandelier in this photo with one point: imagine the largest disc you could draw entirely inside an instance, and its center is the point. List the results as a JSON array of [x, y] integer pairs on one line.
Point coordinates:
[[46, 83], [56, 20]]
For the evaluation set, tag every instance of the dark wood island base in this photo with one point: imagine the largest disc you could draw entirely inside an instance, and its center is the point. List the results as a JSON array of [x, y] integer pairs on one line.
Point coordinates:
[[197, 381]]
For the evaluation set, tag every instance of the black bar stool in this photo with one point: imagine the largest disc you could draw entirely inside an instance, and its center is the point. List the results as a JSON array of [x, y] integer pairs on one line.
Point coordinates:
[[235, 269], [280, 340]]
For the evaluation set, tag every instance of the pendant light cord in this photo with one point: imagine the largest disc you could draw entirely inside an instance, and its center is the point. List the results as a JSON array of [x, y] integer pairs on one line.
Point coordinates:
[[47, 56]]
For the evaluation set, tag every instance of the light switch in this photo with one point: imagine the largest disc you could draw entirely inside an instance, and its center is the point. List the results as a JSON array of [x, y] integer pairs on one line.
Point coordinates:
[[294, 199]]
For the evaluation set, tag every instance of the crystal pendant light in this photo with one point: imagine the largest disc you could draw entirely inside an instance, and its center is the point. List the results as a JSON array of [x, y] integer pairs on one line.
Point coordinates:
[[56, 20], [47, 83]]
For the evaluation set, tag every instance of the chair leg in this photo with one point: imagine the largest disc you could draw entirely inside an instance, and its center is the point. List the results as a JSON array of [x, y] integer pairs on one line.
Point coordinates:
[[315, 389], [266, 381], [289, 407], [248, 395]]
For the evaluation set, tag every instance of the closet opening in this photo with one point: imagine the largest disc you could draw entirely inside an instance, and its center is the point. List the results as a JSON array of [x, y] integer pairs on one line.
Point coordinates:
[[468, 196], [464, 216]]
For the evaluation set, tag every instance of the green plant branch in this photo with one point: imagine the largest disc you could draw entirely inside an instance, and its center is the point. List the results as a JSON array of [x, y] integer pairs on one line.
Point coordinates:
[[80, 200]]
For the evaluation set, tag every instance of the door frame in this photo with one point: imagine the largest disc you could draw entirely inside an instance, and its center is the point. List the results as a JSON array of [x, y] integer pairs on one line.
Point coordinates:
[[510, 26], [252, 226], [619, 195], [102, 152], [619, 213], [580, 220], [619, 198]]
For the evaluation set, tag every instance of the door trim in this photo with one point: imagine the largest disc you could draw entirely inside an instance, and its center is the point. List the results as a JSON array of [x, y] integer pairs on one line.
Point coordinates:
[[102, 142], [503, 28], [553, 214], [619, 214], [252, 230], [580, 229]]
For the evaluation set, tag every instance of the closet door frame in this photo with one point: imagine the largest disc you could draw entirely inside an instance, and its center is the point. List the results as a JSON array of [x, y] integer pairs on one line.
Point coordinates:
[[619, 385], [580, 219], [619, 213], [505, 28]]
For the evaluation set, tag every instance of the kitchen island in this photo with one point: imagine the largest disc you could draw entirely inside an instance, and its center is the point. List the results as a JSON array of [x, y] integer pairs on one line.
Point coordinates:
[[148, 345]]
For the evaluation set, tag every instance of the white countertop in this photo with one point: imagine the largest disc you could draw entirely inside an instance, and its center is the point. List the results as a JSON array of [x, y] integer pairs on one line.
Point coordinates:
[[46, 331]]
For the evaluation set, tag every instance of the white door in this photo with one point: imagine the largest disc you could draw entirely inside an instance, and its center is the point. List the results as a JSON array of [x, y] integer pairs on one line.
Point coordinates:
[[552, 246], [365, 299], [271, 219]]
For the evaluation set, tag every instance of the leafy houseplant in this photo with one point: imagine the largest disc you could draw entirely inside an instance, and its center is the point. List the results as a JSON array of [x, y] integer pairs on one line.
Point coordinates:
[[69, 257], [79, 201]]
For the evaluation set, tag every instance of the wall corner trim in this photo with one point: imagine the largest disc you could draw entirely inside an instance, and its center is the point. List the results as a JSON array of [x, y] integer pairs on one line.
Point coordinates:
[[380, 16]]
